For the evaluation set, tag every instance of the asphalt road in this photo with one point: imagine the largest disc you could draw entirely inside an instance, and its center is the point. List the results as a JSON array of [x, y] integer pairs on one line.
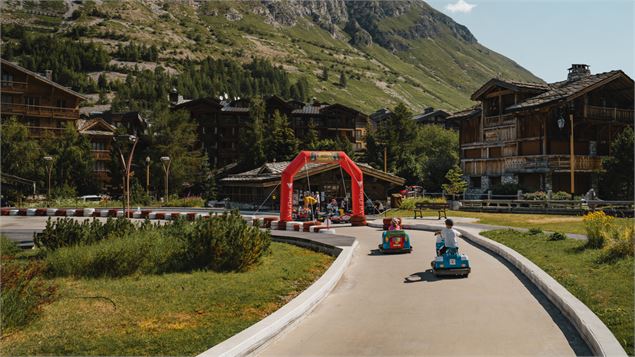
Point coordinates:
[[387, 305]]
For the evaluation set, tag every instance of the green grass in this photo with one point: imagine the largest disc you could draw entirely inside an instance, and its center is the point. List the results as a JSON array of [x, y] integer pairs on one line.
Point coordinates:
[[607, 289], [171, 314], [546, 222]]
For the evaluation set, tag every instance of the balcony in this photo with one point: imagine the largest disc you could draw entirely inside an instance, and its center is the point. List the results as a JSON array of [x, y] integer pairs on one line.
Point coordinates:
[[39, 111], [102, 155], [496, 120], [40, 131], [13, 87], [529, 164], [603, 113]]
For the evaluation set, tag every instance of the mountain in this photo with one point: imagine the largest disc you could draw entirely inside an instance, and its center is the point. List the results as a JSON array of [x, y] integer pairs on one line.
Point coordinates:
[[389, 51]]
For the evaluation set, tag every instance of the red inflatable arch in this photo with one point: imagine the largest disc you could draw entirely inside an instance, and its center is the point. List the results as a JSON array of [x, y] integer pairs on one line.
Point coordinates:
[[305, 157]]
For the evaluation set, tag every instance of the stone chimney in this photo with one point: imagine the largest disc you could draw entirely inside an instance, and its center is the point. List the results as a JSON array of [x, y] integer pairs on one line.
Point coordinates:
[[578, 71], [48, 74]]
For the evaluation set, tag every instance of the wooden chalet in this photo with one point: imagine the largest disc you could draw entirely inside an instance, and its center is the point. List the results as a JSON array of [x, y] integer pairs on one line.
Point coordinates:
[[429, 116], [521, 132], [39, 103], [221, 123], [254, 186], [100, 134]]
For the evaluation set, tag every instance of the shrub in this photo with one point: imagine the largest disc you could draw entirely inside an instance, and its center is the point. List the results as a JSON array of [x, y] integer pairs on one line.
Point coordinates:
[[8, 248], [618, 243], [561, 196], [66, 232], [411, 202], [596, 225], [22, 292], [193, 201], [535, 196], [505, 189], [534, 231], [557, 236]]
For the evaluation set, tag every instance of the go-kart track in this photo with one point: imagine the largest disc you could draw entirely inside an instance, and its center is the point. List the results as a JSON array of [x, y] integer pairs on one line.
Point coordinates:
[[388, 305]]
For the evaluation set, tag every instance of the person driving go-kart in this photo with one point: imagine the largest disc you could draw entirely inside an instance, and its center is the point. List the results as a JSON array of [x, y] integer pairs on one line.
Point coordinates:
[[448, 236], [395, 225]]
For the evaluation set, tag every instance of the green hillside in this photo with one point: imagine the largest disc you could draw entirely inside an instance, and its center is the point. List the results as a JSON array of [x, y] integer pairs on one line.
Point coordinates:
[[389, 51]]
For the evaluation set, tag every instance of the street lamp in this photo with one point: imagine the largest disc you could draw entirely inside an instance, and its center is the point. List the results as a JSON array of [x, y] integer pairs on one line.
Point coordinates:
[[49, 168], [561, 123], [126, 164], [148, 174], [166, 161]]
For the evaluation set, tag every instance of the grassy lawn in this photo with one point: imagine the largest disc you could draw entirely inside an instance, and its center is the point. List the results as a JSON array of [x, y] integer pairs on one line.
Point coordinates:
[[607, 289], [171, 314], [546, 222]]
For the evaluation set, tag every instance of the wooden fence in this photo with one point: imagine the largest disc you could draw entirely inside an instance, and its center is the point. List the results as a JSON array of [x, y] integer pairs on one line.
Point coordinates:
[[575, 207]]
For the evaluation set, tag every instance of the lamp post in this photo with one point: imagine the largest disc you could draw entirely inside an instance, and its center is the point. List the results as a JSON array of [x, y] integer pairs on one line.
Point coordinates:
[[148, 175], [166, 161], [561, 123], [49, 168], [126, 165]]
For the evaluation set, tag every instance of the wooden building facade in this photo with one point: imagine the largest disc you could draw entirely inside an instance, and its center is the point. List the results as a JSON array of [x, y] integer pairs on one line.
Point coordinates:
[[221, 123], [521, 132]]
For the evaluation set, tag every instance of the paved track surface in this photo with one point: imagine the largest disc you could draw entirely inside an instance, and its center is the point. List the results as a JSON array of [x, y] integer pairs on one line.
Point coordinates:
[[387, 305]]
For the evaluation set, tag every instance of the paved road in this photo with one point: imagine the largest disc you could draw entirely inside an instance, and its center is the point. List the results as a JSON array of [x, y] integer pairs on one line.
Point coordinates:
[[393, 305]]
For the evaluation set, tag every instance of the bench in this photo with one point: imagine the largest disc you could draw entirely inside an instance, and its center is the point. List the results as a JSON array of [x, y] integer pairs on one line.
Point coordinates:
[[439, 207]]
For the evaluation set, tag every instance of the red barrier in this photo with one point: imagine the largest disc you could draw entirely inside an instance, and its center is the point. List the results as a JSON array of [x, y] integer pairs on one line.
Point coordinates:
[[112, 213], [79, 212], [5, 211], [40, 212], [160, 215], [60, 212], [306, 226], [266, 221], [145, 213]]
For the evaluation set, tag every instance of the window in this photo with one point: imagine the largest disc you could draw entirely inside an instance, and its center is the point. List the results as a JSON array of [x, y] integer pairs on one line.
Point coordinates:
[[61, 103], [7, 79], [98, 145], [99, 166], [475, 182], [32, 122], [7, 99], [31, 101]]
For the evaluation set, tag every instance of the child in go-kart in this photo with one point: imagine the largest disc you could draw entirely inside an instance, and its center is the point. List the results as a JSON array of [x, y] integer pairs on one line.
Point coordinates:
[[395, 225], [448, 236]]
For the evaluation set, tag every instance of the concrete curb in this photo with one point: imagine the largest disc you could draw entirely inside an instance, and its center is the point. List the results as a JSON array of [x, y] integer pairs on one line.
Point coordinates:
[[260, 333], [594, 332]]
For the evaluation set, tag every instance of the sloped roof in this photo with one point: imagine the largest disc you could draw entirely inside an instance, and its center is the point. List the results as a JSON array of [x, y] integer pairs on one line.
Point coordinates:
[[568, 89], [515, 86], [42, 78], [272, 171], [424, 116], [465, 113], [95, 126]]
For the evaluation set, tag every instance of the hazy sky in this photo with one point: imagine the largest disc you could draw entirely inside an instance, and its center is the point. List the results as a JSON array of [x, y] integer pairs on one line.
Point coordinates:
[[547, 36]]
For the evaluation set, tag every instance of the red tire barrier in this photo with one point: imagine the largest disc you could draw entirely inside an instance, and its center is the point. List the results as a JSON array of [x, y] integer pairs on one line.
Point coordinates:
[[266, 222], [60, 212], [191, 216], [296, 227], [175, 215], [40, 212], [160, 215], [145, 213], [22, 212], [306, 226], [112, 213], [5, 211], [79, 212]]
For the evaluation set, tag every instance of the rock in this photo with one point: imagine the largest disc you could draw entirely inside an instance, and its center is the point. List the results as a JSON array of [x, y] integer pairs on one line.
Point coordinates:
[[233, 15]]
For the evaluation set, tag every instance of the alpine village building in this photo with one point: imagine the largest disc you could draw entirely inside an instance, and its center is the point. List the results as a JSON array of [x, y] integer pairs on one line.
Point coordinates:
[[221, 122], [521, 132]]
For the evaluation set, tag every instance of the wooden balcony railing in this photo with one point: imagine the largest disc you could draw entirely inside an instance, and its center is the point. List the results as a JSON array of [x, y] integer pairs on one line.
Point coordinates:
[[39, 131], [602, 113], [40, 111], [13, 86], [101, 155], [498, 120], [528, 164]]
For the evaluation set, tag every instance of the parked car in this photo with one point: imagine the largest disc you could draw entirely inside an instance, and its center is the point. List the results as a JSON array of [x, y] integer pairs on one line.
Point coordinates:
[[87, 198]]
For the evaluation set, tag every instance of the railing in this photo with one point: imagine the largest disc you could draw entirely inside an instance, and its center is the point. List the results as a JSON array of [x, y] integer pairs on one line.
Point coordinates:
[[538, 163], [602, 113], [39, 110], [14, 86], [101, 154], [38, 131], [498, 120], [618, 208]]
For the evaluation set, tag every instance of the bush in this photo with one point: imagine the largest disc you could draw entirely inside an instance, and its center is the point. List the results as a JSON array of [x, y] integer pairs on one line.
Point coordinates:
[[66, 232], [193, 201], [22, 292], [505, 189], [221, 243], [534, 231], [411, 202], [557, 236], [535, 196], [561, 196], [8, 248], [618, 243], [596, 225]]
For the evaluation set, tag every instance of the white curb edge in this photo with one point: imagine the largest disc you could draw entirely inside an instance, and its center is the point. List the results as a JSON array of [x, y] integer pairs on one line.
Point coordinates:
[[258, 334], [598, 337]]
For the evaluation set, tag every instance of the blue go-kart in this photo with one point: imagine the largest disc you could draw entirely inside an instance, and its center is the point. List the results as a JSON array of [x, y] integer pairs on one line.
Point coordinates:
[[395, 242], [450, 263]]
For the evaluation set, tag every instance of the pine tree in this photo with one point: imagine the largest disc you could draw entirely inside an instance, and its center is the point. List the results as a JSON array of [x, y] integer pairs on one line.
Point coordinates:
[[311, 138], [282, 143], [253, 141], [456, 184], [325, 74], [343, 82]]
